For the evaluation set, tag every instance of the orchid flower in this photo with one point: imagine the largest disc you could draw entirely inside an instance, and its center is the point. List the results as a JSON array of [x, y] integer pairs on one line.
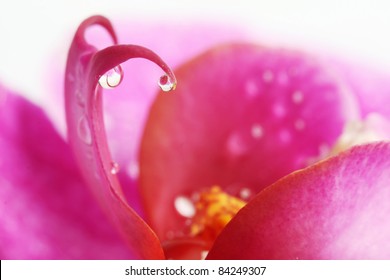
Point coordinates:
[[259, 153]]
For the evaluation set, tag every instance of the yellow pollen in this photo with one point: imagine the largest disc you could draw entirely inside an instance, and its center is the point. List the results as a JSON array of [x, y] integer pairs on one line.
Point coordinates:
[[213, 211]]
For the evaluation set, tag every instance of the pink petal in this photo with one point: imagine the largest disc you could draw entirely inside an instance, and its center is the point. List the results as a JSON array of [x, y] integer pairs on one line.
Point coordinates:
[[45, 211], [370, 85], [337, 209], [242, 117], [86, 131]]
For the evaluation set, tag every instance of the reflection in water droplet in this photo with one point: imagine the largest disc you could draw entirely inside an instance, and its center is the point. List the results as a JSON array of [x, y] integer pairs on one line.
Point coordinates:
[[84, 130], [184, 207], [114, 168], [166, 83], [112, 78]]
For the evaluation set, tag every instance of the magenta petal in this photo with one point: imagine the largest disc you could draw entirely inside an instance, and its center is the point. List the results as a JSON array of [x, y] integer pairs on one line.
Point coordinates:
[[337, 209], [242, 117], [87, 133], [45, 211]]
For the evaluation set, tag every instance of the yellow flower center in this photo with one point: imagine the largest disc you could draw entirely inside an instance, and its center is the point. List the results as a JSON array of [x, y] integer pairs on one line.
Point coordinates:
[[213, 210]]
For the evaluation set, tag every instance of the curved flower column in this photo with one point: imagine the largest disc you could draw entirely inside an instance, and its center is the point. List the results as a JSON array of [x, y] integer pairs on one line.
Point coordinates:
[[88, 70]]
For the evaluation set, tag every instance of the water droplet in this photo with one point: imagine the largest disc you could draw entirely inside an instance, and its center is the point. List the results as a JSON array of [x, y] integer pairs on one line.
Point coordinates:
[[184, 207], [297, 97], [84, 130], [299, 124], [245, 193], [166, 83], [112, 78], [268, 76], [257, 131], [114, 168]]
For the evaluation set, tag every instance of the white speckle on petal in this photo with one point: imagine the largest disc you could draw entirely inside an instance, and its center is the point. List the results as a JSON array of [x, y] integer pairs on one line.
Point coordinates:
[[297, 97], [268, 76], [184, 207], [257, 131]]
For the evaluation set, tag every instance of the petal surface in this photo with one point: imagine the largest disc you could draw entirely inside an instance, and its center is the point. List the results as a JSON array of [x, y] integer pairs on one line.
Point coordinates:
[[242, 117], [86, 130], [45, 210], [336, 209]]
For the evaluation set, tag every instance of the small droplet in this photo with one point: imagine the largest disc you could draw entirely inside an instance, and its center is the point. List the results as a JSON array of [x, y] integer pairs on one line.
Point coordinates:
[[112, 78], [84, 130], [114, 168], [184, 207], [268, 76], [297, 97], [257, 131], [166, 83]]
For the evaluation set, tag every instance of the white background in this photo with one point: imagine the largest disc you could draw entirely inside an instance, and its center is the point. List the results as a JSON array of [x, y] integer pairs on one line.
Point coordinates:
[[32, 32]]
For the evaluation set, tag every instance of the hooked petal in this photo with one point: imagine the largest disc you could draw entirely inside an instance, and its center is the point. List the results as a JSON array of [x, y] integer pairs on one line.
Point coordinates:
[[242, 117], [336, 209], [45, 211], [86, 131]]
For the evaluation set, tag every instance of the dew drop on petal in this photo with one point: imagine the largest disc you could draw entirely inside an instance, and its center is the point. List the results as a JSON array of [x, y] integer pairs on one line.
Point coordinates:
[[84, 130], [166, 83], [112, 78], [184, 207], [114, 168]]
